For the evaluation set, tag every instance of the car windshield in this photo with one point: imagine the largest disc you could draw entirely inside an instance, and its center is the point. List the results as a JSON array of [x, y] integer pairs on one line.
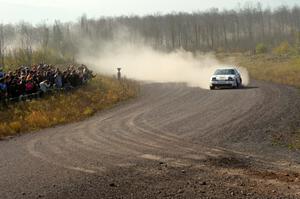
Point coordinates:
[[225, 72]]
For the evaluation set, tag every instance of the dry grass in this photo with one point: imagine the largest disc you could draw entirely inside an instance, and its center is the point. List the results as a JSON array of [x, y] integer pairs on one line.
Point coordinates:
[[290, 140], [280, 69], [101, 93]]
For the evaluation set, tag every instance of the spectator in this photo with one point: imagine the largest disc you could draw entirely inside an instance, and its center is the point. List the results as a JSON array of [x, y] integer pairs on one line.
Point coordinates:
[[2, 74], [66, 80], [44, 86], [28, 80], [29, 87], [22, 85], [13, 88], [3, 89], [58, 79]]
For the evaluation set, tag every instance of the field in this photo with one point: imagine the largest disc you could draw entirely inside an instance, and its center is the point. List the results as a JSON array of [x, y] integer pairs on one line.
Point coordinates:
[[282, 69], [63, 107]]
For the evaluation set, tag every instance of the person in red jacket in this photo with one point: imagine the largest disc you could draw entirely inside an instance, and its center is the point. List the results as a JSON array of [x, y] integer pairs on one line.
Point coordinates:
[[29, 87]]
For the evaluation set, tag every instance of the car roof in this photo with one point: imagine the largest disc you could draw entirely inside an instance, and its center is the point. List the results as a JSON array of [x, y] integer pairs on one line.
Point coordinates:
[[231, 67]]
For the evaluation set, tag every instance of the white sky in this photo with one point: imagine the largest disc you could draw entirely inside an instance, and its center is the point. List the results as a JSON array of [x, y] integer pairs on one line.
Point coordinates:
[[36, 11]]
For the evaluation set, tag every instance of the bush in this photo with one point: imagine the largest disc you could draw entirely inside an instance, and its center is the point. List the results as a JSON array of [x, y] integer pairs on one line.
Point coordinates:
[[15, 126], [261, 48], [283, 48]]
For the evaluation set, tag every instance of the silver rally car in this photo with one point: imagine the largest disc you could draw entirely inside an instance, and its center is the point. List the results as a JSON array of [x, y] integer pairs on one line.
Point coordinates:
[[226, 77]]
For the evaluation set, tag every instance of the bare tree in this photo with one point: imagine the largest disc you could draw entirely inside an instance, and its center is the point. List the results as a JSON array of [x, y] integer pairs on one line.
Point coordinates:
[[1, 45], [229, 30]]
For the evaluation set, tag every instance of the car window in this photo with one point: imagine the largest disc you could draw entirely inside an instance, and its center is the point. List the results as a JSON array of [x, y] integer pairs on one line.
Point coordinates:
[[225, 72]]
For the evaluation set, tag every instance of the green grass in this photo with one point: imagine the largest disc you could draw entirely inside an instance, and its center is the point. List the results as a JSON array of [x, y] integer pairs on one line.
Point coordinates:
[[64, 107]]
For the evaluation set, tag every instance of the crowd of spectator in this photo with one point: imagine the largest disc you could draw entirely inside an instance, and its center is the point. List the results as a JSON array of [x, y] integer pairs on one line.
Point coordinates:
[[40, 79]]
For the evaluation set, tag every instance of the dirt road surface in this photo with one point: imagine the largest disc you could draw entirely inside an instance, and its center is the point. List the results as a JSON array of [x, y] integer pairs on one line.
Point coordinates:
[[173, 141]]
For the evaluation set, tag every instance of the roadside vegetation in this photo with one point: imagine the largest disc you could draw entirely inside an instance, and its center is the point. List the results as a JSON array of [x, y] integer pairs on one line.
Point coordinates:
[[280, 64], [100, 93], [295, 143], [283, 69], [288, 140]]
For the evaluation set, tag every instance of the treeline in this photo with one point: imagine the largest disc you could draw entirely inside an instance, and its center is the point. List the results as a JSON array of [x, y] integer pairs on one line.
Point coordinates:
[[251, 28]]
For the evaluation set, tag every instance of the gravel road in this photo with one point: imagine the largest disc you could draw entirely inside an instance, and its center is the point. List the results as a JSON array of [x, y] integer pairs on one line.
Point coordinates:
[[173, 141]]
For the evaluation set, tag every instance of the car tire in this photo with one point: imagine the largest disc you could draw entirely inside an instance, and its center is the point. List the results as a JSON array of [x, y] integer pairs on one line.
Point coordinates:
[[212, 87]]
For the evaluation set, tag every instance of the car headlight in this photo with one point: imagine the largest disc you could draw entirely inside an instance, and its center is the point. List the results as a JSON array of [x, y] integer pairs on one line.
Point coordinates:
[[214, 79], [230, 79]]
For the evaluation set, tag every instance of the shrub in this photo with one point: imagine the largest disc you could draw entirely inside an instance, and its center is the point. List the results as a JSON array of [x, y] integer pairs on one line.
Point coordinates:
[[88, 111], [283, 48], [261, 48], [4, 130], [15, 126], [37, 119]]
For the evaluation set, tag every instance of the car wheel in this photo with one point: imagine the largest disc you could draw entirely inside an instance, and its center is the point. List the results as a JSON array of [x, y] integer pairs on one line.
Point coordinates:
[[212, 87]]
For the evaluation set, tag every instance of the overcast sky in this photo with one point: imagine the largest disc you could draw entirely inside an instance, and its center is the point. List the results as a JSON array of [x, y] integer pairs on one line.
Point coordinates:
[[36, 11]]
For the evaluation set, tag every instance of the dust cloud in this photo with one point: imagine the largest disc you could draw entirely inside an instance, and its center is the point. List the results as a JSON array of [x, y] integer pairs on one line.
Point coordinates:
[[144, 63]]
